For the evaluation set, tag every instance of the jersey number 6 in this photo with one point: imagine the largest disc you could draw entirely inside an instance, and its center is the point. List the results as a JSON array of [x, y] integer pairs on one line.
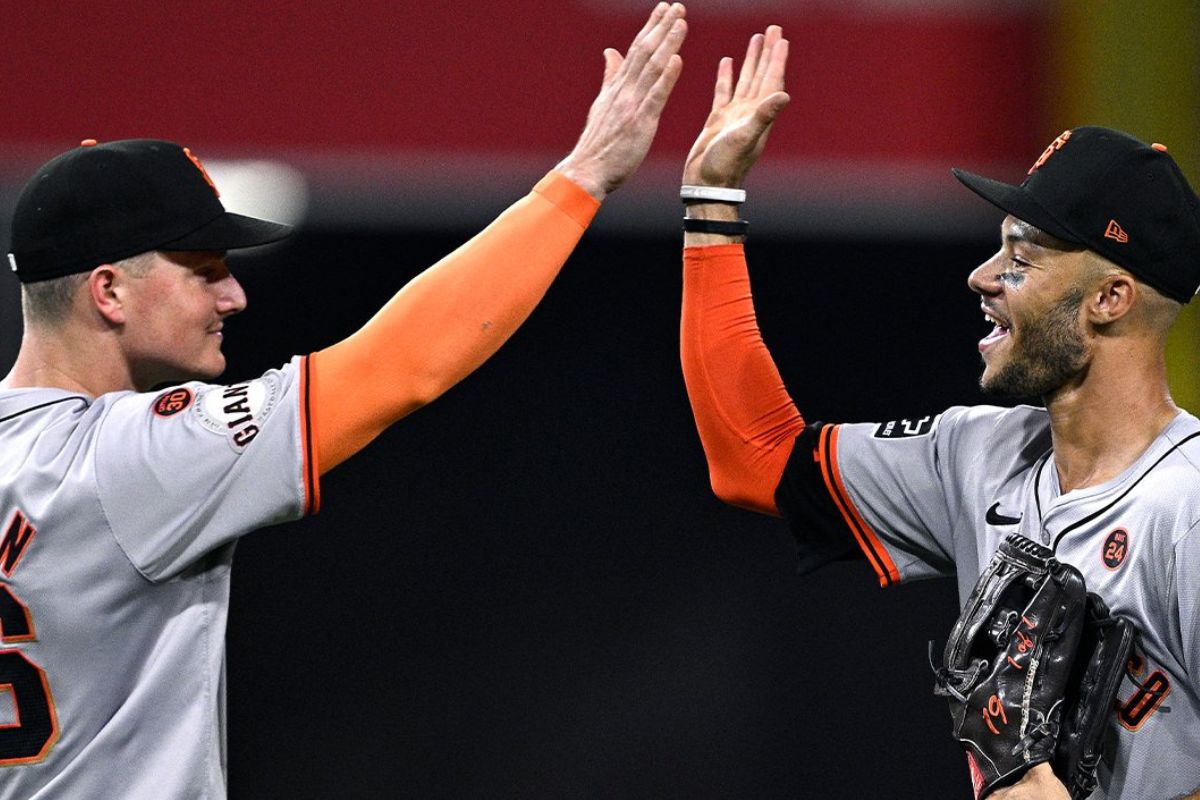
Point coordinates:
[[35, 727]]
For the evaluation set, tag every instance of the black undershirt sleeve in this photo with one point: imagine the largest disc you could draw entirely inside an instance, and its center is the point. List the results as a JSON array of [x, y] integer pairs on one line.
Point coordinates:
[[821, 533]]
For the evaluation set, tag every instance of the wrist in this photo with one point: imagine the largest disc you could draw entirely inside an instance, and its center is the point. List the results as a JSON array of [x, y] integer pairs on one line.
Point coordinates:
[[583, 178], [693, 193], [724, 214]]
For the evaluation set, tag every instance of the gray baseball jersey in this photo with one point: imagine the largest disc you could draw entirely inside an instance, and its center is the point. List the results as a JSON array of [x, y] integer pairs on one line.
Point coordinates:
[[118, 518], [935, 496]]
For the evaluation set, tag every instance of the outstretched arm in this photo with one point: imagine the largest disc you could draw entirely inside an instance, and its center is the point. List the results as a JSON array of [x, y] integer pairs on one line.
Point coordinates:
[[452, 317], [746, 420]]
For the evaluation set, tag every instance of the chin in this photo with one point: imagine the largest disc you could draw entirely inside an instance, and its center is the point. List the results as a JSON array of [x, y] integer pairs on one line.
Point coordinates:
[[211, 370], [205, 370]]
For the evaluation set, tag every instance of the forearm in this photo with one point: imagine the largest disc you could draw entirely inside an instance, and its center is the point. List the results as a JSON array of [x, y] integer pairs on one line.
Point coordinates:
[[445, 322], [1039, 783], [746, 420]]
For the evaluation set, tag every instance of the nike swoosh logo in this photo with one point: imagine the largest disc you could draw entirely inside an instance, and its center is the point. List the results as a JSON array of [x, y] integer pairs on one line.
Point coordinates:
[[994, 517]]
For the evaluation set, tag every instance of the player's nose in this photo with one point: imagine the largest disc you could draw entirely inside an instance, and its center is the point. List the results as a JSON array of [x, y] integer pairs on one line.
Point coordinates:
[[231, 297], [985, 279]]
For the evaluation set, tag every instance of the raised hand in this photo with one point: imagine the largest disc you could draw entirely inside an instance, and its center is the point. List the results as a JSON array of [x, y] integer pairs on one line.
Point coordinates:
[[624, 116], [736, 130]]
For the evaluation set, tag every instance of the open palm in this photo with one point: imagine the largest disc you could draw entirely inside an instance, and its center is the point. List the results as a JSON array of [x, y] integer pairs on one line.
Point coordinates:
[[735, 132]]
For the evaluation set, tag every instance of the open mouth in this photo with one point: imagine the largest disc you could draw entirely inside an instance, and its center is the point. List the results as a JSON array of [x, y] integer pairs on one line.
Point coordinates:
[[1000, 330]]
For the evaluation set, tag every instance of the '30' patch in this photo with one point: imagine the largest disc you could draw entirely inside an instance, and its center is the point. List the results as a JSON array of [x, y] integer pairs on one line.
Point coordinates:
[[172, 401]]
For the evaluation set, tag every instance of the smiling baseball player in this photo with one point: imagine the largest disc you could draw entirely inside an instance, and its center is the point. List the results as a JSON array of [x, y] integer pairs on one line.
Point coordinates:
[[120, 506], [1100, 249]]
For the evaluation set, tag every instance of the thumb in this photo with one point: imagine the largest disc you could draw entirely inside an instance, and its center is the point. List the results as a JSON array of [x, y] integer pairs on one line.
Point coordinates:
[[612, 63], [770, 106]]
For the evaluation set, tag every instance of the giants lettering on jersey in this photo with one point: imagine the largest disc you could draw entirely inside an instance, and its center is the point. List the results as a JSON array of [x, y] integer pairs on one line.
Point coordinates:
[[28, 719], [238, 412], [16, 540]]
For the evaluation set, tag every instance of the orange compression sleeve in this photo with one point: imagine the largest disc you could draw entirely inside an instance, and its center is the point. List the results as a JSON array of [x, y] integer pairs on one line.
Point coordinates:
[[746, 419], [445, 322]]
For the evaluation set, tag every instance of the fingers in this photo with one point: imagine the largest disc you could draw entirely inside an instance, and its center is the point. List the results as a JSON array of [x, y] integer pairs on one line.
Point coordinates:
[[763, 68], [656, 16], [773, 77], [723, 91], [749, 65], [663, 27], [772, 41], [664, 54], [656, 98]]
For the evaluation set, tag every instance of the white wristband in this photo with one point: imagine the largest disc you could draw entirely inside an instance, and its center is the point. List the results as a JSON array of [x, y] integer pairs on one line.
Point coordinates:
[[717, 194]]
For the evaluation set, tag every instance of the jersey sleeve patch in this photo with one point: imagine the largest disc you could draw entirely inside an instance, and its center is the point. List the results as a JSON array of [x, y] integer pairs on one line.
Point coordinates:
[[907, 428], [172, 401], [238, 411]]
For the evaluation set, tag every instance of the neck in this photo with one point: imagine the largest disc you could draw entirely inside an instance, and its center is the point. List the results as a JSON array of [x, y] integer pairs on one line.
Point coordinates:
[[69, 358], [1102, 422]]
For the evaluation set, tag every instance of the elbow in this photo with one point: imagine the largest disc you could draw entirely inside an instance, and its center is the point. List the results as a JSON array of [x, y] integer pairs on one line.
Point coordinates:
[[420, 392], [748, 494], [403, 397]]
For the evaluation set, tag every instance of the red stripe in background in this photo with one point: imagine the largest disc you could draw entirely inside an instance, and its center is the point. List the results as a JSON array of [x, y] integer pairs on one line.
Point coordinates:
[[512, 78]]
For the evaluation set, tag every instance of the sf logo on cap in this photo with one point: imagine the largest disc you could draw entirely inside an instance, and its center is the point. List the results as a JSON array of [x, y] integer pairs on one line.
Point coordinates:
[[1050, 150], [188, 152]]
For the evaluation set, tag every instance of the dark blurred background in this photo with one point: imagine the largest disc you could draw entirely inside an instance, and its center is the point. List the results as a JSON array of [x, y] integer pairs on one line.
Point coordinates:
[[526, 590]]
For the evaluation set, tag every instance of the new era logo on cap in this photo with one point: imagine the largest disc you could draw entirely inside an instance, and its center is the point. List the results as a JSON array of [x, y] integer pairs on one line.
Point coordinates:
[[1114, 231]]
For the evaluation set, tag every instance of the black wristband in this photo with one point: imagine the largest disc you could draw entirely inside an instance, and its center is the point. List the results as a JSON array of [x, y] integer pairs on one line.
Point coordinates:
[[723, 227]]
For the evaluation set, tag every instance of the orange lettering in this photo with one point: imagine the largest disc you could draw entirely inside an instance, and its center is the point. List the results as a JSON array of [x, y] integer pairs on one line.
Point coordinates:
[[1050, 150], [994, 709], [187, 152]]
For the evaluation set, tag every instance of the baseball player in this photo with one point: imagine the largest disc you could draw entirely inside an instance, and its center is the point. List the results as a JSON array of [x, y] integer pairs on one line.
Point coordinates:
[[120, 506], [1099, 251]]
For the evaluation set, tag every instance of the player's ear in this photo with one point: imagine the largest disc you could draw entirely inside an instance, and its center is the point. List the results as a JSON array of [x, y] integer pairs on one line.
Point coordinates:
[[1112, 297], [107, 294]]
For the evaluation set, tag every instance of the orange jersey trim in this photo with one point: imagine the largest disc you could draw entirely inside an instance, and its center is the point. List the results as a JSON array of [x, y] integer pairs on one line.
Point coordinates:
[[867, 539], [310, 471]]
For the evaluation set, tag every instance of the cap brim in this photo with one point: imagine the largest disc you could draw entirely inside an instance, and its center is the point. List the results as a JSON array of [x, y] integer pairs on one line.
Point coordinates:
[[1016, 201], [230, 232]]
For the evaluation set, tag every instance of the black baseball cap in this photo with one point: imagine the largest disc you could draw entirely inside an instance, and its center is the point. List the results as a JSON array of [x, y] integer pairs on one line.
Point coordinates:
[[100, 203], [1124, 199]]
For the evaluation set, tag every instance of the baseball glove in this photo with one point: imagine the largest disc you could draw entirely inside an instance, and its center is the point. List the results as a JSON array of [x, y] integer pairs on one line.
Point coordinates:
[[1104, 651], [1009, 662]]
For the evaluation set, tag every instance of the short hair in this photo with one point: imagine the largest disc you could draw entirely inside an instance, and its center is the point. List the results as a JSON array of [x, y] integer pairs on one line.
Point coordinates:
[[49, 302]]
